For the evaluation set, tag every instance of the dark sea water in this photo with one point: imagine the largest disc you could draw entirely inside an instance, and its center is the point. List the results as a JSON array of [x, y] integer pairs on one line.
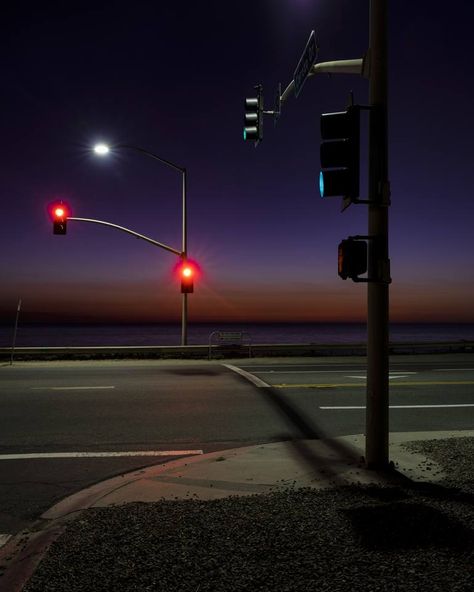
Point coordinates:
[[198, 333]]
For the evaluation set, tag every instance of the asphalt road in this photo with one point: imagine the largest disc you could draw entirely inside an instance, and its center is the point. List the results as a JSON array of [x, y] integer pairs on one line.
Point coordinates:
[[56, 417]]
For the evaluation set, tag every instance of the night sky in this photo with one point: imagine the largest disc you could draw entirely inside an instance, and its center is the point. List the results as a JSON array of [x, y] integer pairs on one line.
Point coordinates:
[[171, 77]]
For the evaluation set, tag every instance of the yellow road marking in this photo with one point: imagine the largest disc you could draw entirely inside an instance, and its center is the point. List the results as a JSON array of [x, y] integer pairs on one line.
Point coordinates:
[[362, 385]]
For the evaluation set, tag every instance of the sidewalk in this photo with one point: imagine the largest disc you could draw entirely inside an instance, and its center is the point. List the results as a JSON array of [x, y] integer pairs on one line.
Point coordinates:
[[256, 469], [325, 477]]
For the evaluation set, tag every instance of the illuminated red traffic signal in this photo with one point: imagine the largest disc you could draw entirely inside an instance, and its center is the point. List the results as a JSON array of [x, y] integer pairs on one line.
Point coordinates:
[[59, 213], [187, 278]]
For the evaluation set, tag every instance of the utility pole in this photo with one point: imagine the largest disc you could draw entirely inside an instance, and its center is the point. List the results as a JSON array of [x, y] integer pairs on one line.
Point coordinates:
[[377, 398]]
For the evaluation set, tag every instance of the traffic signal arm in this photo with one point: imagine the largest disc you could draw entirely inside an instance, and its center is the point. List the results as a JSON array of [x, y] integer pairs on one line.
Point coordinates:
[[128, 231]]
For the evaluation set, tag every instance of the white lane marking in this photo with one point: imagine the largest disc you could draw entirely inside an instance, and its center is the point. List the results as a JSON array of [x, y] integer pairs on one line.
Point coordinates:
[[401, 406], [250, 377], [100, 454], [4, 539], [70, 388], [390, 376], [453, 370], [405, 375]]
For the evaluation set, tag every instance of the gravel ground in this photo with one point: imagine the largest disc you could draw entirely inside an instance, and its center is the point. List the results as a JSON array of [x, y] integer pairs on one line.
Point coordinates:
[[409, 538]]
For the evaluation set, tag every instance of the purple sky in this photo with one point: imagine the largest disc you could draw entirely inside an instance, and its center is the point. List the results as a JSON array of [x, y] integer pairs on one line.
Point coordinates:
[[172, 78]]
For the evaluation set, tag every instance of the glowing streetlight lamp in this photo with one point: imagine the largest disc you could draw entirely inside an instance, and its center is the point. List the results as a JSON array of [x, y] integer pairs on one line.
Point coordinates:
[[101, 149]]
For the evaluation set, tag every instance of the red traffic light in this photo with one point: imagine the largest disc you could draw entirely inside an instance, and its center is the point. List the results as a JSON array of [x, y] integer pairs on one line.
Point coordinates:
[[187, 277], [59, 212], [187, 272]]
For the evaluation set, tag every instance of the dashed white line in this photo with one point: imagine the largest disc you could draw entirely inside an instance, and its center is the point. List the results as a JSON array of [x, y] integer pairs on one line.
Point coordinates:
[[4, 539], [70, 388], [390, 376], [46, 455]]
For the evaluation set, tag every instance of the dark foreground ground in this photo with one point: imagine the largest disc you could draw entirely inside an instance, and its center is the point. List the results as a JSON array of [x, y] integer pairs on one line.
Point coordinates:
[[410, 537]]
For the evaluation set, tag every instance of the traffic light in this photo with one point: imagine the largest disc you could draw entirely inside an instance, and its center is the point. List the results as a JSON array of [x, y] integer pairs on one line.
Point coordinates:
[[340, 148], [253, 128], [59, 212], [352, 258], [187, 279]]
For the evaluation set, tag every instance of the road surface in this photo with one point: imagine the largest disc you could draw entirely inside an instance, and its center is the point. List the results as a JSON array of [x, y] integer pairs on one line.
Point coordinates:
[[66, 425]]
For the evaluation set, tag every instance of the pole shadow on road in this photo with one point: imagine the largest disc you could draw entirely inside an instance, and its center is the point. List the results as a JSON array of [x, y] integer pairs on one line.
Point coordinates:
[[306, 429], [344, 454]]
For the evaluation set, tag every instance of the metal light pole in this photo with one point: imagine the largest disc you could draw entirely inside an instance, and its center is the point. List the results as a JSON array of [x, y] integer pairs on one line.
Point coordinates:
[[103, 149], [377, 398], [184, 296]]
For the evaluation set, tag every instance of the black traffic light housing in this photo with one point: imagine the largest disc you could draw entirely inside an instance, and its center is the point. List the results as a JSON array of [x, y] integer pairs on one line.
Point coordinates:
[[352, 259], [187, 285], [340, 154], [253, 120], [59, 219]]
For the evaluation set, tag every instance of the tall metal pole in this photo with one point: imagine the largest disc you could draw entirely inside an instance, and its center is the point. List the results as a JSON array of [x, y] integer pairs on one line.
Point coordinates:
[[377, 426], [184, 308], [184, 254]]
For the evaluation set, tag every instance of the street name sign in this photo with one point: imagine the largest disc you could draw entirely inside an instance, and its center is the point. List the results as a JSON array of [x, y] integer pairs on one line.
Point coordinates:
[[307, 60]]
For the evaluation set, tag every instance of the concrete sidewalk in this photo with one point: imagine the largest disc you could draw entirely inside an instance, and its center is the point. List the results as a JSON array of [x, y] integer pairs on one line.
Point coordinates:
[[259, 469]]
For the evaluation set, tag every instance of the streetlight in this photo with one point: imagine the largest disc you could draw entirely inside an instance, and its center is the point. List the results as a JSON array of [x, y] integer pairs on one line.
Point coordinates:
[[102, 150]]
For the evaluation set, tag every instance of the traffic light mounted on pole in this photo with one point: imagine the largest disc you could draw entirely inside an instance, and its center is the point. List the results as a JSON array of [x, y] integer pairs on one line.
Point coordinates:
[[187, 279], [59, 213], [340, 154], [253, 128]]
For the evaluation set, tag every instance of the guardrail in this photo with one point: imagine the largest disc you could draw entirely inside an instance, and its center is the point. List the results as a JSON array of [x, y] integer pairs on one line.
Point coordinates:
[[202, 351]]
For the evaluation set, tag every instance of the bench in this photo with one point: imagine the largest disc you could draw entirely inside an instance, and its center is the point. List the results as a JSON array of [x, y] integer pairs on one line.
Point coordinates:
[[230, 340]]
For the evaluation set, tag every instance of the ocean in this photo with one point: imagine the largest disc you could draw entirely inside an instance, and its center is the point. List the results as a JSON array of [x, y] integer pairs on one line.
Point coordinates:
[[69, 335]]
